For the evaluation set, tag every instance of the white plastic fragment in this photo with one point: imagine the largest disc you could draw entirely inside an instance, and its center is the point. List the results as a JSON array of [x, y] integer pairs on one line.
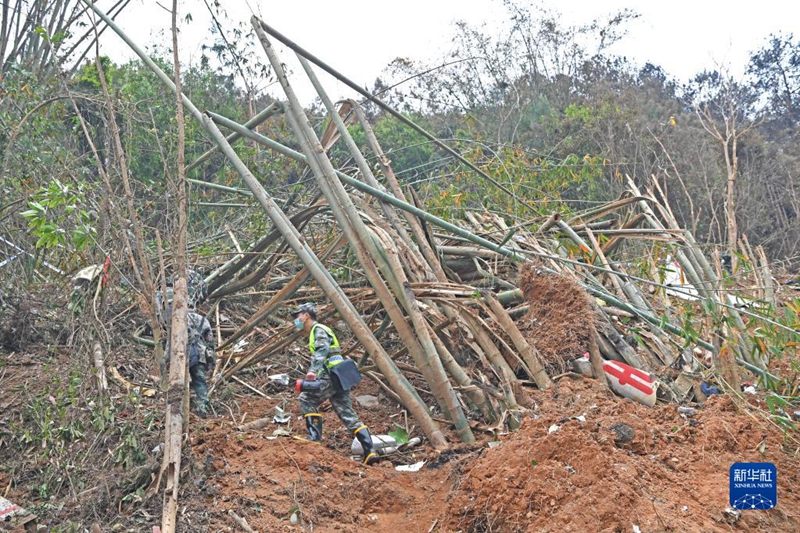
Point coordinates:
[[410, 468]]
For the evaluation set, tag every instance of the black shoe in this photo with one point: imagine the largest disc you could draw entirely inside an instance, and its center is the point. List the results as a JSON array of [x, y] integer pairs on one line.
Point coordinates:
[[314, 426], [363, 436]]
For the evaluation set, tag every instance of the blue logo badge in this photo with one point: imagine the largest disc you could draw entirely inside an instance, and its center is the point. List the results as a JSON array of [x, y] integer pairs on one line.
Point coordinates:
[[754, 486]]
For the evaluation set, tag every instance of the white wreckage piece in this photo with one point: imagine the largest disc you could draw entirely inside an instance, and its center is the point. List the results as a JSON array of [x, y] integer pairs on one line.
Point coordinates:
[[679, 286]]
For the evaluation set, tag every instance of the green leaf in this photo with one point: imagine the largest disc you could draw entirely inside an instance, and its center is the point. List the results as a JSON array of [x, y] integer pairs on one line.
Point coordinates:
[[399, 435]]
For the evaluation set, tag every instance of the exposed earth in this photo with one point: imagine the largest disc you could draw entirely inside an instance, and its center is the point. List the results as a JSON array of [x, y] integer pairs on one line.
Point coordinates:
[[584, 460]]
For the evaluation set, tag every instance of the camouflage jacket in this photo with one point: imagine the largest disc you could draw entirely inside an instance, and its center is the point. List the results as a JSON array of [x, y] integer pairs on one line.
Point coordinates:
[[201, 337]]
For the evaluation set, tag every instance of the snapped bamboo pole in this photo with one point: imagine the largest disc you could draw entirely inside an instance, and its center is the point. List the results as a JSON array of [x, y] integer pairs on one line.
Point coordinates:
[[463, 381], [358, 157], [526, 351], [604, 261], [286, 292], [551, 221], [224, 273], [394, 187], [596, 212], [362, 244], [496, 362], [275, 108]]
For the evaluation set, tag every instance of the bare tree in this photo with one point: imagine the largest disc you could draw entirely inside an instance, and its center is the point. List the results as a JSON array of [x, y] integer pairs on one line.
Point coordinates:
[[177, 393], [723, 106]]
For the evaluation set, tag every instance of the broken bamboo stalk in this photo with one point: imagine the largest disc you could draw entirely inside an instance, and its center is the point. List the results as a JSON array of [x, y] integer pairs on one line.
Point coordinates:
[[416, 228], [599, 251], [551, 221], [358, 157], [596, 360], [286, 292], [526, 351], [495, 358], [274, 108], [217, 278], [462, 379]]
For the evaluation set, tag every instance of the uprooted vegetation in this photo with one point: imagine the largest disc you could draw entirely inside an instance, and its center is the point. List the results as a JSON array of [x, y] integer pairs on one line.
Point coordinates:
[[464, 303]]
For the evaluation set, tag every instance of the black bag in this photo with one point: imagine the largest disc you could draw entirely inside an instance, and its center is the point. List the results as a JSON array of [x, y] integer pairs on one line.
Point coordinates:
[[345, 375]]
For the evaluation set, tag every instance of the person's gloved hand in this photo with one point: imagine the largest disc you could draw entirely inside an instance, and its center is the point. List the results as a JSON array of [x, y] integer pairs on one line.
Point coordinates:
[[311, 376]]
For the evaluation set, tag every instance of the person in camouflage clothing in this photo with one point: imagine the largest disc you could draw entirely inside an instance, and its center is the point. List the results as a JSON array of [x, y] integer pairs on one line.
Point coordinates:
[[200, 346], [326, 354], [200, 356]]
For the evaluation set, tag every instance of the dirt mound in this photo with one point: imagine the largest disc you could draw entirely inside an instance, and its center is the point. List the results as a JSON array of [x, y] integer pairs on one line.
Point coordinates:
[[267, 479], [622, 465], [560, 320]]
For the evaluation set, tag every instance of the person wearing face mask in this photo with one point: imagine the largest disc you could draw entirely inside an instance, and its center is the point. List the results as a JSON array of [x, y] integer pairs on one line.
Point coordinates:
[[333, 372]]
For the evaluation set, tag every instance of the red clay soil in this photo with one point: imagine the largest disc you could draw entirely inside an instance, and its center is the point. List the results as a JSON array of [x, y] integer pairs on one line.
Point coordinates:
[[267, 479], [669, 474], [560, 318]]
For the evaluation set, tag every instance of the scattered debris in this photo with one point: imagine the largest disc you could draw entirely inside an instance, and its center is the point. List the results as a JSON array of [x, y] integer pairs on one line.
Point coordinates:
[[381, 444], [13, 516], [687, 411], [624, 432], [731, 515], [631, 382], [281, 417], [410, 468], [583, 366], [281, 380]]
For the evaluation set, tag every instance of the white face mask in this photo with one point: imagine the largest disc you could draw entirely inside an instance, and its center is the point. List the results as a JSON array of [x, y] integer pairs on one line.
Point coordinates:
[[298, 323]]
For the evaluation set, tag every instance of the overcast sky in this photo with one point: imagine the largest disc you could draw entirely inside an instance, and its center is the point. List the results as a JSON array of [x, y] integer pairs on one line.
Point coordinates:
[[359, 37]]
